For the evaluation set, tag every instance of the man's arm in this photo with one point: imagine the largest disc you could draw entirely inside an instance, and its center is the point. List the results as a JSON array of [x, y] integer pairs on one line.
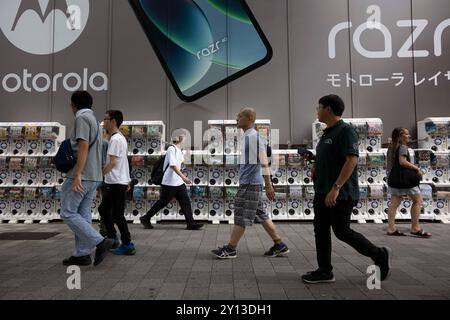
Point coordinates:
[[172, 154], [82, 154], [270, 192], [182, 176], [350, 164], [113, 161]]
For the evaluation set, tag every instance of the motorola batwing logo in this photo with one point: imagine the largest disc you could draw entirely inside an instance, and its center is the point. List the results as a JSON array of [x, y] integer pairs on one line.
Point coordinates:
[[43, 26]]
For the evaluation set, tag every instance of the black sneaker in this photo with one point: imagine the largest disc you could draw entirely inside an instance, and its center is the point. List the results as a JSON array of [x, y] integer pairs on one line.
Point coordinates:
[[278, 250], [384, 262], [318, 276], [226, 252], [194, 226], [146, 222], [102, 249], [103, 230], [78, 261]]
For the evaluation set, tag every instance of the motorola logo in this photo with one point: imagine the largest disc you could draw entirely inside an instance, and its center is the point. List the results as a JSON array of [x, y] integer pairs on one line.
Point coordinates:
[[43, 27]]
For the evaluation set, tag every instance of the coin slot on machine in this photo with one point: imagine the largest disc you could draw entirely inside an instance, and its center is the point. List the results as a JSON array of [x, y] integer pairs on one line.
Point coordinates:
[[31, 135], [17, 171], [138, 171], [361, 128], [155, 137], [279, 176], [138, 140], [374, 135], [432, 134], [359, 212], [5, 204], [295, 207], [375, 168], [362, 168], [279, 205], [375, 203], [439, 168], [4, 172], [216, 175], [4, 141], [18, 144], [423, 159], [214, 137], [232, 137], [17, 201], [49, 136], [32, 171], [426, 211], [308, 203]]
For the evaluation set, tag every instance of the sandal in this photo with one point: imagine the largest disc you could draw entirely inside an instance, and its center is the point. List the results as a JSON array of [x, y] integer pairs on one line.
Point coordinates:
[[396, 233], [421, 234]]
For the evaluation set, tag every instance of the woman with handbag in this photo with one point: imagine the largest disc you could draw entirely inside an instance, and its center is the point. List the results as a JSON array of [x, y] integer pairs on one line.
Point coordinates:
[[403, 180]]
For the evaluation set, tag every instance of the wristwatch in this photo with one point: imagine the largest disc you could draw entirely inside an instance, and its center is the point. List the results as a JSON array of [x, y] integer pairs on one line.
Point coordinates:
[[336, 186]]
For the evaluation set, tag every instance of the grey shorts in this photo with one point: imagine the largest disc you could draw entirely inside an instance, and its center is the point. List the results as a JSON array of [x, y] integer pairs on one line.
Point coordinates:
[[403, 192], [248, 205]]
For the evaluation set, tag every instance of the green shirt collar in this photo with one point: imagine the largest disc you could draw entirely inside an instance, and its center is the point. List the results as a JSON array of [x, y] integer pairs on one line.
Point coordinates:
[[335, 126]]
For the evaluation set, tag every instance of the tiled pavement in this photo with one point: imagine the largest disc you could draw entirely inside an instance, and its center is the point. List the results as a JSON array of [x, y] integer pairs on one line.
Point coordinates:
[[173, 263]]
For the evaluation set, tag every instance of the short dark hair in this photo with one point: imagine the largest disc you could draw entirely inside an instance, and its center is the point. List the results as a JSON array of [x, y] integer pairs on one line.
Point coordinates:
[[82, 100], [115, 115], [334, 102]]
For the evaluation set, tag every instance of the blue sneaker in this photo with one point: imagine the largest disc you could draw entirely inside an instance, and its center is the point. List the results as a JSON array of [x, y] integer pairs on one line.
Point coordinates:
[[278, 250], [127, 250]]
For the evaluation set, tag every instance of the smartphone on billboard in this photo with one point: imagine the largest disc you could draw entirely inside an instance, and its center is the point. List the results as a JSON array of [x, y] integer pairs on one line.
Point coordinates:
[[203, 44]]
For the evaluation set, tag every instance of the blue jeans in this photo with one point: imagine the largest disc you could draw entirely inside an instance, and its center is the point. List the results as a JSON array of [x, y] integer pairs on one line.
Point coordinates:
[[76, 213]]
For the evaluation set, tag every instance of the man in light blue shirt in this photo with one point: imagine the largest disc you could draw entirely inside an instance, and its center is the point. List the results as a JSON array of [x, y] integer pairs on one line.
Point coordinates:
[[80, 187], [254, 172]]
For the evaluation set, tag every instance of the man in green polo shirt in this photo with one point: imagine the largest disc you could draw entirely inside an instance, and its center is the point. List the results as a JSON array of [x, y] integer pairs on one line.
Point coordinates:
[[337, 192]]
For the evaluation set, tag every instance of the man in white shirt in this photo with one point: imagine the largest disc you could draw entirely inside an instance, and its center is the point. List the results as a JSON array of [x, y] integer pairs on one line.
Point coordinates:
[[173, 186], [117, 179]]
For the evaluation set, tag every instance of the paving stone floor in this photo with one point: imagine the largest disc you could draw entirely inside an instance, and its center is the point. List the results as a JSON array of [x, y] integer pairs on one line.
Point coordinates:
[[173, 263]]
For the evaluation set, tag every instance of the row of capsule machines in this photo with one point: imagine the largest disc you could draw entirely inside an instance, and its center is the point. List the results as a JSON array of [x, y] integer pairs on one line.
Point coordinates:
[[29, 183], [432, 156]]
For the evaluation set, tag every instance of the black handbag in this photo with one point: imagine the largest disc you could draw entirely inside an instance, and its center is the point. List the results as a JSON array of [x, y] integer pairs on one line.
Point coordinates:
[[401, 177]]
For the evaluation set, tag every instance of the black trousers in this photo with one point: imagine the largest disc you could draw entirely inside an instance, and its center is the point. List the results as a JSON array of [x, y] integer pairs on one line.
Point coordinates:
[[167, 194], [112, 211], [338, 218]]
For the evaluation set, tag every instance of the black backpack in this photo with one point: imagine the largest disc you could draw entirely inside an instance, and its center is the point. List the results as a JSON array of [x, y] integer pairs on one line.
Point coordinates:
[[65, 159], [158, 170]]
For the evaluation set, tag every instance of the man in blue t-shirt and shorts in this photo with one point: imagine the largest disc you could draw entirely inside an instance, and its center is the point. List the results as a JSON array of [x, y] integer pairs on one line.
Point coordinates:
[[254, 173]]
